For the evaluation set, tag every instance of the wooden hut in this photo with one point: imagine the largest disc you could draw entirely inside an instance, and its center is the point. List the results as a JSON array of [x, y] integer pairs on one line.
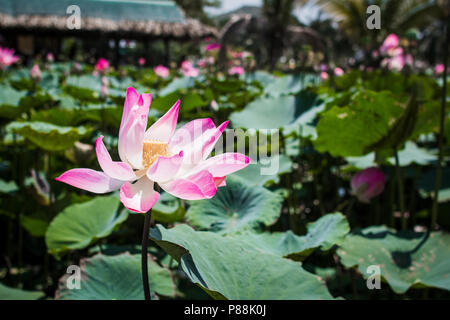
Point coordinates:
[[25, 23]]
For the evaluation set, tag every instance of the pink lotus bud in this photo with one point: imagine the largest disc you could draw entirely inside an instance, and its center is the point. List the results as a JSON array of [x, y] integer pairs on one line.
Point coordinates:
[[396, 63], [338, 72], [161, 71], [367, 184], [201, 63], [188, 69], [50, 57], [390, 42], [7, 58], [439, 68], [214, 105], [236, 70], [102, 65], [213, 46], [324, 75], [141, 61], [409, 59], [36, 73]]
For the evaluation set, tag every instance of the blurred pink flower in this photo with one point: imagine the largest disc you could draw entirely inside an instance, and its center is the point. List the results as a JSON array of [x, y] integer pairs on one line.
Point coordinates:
[[324, 76], [7, 58], [141, 61], [188, 69], [439, 68], [214, 105], [367, 184], [213, 46], [396, 63], [194, 72], [389, 43], [50, 57], [409, 59], [393, 52], [186, 65], [236, 70], [201, 63], [175, 159], [323, 67], [102, 65], [338, 72], [161, 71], [36, 73]]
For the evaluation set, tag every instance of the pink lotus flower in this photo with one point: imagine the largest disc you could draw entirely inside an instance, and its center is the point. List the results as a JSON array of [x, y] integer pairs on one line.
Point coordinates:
[[141, 61], [188, 69], [236, 70], [194, 72], [324, 76], [102, 65], [389, 43], [175, 159], [409, 59], [367, 184], [7, 58], [161, 71], [396, 63], [201, 63], [394, 52], [186, 65], [213, 46], [77, 66], [214, 105], [36, 73], [236, 55], [439, 68], [338, 72], [50, 57]]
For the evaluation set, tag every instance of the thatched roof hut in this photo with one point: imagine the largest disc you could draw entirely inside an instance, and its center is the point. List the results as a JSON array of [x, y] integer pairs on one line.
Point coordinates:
[[127, 19], [34, 26]]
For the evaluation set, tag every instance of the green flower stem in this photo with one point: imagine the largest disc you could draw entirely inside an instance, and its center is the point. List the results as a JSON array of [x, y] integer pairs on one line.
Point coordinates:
[[438, 181], [390, 203], [401, 193], [144, 256]]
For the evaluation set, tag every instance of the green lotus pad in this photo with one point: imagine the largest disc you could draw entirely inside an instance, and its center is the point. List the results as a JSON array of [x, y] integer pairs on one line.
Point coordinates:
[[405, 259], [115, 278], [227, 268]]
